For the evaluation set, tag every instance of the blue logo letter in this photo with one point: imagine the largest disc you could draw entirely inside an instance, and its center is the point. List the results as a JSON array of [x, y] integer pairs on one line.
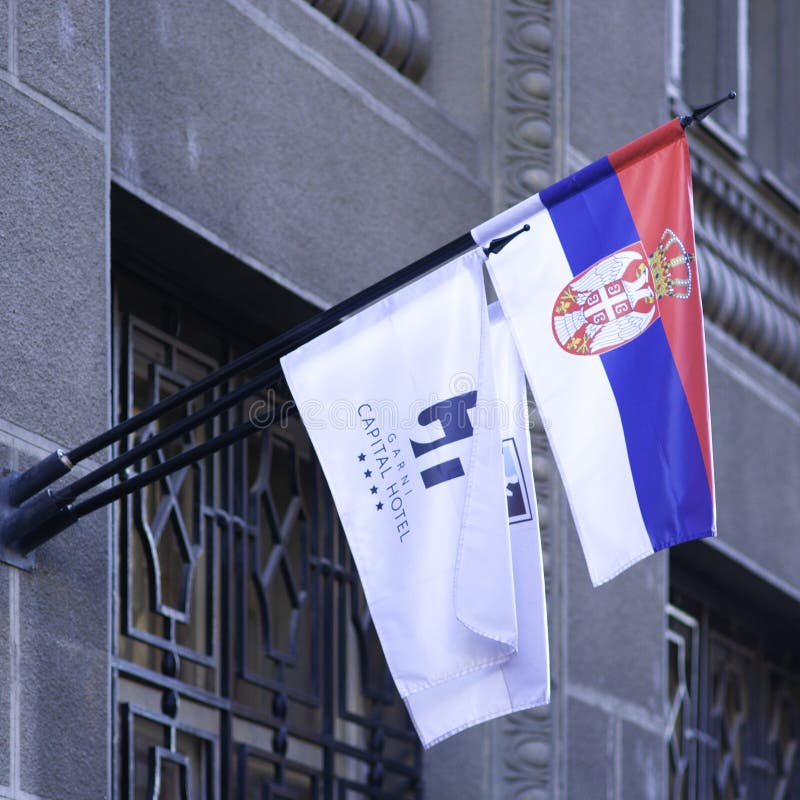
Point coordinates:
[[452, 414]]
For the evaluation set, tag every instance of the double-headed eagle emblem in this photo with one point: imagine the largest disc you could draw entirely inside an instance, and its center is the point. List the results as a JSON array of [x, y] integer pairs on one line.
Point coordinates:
[[616, 299]]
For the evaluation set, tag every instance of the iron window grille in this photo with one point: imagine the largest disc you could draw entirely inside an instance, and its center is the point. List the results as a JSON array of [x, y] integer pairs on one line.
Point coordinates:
[[733, 699], [245, 662]]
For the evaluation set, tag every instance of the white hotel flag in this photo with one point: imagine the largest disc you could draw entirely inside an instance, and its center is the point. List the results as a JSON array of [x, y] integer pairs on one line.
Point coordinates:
[[397, 401], [523, 681]]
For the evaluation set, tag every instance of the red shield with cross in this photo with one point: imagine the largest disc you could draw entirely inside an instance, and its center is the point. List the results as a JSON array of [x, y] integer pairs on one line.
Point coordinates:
[[607, 305]]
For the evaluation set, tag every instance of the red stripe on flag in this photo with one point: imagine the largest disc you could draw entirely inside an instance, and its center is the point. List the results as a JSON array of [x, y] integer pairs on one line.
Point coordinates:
[[656, 179]]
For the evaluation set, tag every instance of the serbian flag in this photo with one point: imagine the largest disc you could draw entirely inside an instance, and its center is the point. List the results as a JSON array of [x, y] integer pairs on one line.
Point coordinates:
[[603, 299]]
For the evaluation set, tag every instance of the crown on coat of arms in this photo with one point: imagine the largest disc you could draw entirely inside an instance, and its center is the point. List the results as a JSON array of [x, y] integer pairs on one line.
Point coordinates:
[[671, 265]]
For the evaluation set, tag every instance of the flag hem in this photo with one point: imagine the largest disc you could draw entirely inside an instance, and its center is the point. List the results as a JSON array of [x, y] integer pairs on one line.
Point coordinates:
[[512, 642], [540, 700], [421, 687]]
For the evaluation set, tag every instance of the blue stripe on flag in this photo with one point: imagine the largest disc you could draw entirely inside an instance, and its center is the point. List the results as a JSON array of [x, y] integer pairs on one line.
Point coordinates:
[[590, 215], [663, 448], [592, 220]]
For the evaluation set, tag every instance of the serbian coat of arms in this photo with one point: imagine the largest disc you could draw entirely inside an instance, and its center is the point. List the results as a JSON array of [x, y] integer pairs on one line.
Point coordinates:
[[617, 299]]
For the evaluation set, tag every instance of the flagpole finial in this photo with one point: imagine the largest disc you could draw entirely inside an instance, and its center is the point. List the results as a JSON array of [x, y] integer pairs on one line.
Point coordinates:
[[701, 112], [496, 245]]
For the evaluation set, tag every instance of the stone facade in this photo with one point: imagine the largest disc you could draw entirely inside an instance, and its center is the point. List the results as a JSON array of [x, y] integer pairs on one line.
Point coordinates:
[[320, 146]]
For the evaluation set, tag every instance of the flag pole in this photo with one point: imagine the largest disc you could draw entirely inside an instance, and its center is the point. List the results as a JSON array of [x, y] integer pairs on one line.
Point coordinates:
[[54, 466], [174, 431], [27, 523], [24, 506], [701, 112], [266, 380], [286, 410], [42, 517]]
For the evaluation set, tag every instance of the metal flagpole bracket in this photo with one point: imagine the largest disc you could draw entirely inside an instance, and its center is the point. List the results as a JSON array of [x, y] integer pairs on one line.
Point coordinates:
[[701, 112], [22, 509], [22, 485], [496, 245], [31, 513], [18, 524]]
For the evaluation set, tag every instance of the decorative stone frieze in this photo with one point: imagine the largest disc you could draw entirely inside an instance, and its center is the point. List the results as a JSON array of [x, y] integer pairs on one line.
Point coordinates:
[[396, 30], [529, 156], [750, 257], [529, 161], [528, 736]]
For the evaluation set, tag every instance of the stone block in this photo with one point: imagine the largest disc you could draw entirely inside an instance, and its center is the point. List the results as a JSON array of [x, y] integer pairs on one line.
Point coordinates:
[[457, 75], [460, 766], [616, 631], [644, 764], [61, 53], [437, 120], [275, 151], [589, 752], [5, 681], [64, 665], [3, 34], [616, 86], [6, 458], [54, 348], [757, 464]]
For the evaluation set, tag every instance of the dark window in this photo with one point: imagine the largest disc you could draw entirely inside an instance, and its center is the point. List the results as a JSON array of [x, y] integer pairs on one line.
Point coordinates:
[[753, 46], [245, 661], [734, 694], [714, 58]]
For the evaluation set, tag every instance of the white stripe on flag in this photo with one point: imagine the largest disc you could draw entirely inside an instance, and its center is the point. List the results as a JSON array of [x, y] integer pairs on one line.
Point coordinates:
[[528, 275]]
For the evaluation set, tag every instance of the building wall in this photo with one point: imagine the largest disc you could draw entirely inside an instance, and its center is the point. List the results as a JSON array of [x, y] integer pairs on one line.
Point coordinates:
[[54, 721], [601, 78], [272, 129], [269, 130]]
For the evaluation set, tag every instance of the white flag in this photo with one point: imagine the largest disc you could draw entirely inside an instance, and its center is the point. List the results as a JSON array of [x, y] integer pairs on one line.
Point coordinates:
[[392, 401], [523, 680]]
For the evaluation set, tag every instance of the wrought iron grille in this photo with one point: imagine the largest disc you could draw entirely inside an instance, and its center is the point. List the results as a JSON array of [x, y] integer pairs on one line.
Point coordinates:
[[245, 662], [734, 700]]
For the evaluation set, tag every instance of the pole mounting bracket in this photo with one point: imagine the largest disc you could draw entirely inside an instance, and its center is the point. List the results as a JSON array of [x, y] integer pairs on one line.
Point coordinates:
[[8, 554], [25, 508]]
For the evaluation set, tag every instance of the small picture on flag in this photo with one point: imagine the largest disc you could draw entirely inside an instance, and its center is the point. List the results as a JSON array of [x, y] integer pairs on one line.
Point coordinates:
[[519, 506]]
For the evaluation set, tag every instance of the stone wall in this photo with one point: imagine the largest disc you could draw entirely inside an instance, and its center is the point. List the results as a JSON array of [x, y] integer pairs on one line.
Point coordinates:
[[55, 351], [266, 127], [270, 128]]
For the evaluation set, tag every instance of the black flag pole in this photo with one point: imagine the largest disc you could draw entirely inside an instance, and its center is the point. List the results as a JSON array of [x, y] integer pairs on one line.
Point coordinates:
[[59, 463], [201, 451], [266, 380], [41, 475], [28, 519], [701, 112], [24, 538], [29, 515], [150, 445], [276, 347]]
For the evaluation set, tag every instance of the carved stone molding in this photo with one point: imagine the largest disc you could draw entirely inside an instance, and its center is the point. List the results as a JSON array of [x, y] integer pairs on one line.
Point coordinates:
[[529, 754], [396, 30], [529, 157], [527, 121], [528, 737], [750, 266]]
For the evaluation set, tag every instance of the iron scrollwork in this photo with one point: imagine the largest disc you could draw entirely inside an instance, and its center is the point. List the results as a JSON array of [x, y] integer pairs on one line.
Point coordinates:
[[733, 707], [246, 663]]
